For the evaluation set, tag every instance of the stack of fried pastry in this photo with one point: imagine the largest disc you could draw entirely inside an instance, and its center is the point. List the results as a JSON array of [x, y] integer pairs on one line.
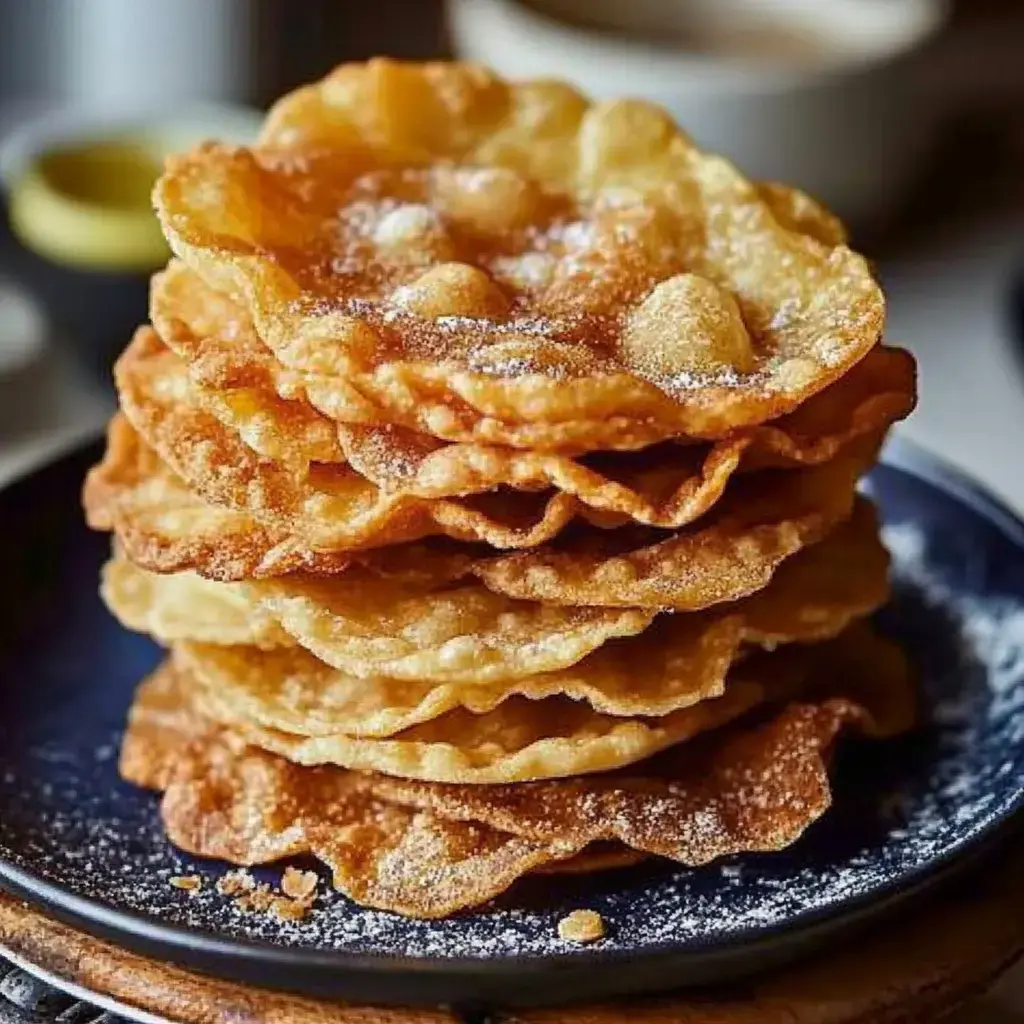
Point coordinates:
[[489, 470]]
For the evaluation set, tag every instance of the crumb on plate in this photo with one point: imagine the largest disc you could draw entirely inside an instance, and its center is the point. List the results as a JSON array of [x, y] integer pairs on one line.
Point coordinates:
[[235, 882], [190, 883], [299, 885], [581, 926], [288, 910]]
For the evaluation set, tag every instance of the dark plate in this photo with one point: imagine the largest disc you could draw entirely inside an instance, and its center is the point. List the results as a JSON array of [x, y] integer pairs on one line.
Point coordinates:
[[74, 838]]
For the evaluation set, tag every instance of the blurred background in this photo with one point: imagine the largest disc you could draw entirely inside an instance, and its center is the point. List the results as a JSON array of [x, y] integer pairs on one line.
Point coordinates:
[[906, 116]]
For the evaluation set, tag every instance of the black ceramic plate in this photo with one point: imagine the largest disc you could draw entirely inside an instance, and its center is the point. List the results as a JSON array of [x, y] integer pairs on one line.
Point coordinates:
[[77, 840]]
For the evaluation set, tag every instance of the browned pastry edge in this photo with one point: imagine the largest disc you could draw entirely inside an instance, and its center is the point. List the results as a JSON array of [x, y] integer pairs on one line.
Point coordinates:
[[908, 972]]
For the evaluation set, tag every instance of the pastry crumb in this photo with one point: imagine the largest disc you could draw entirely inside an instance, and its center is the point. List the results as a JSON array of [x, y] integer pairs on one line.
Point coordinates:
[[190, 883], [256, 901], [299, 885], [252, 897], [288, 910], [581, 926], [235, 882]]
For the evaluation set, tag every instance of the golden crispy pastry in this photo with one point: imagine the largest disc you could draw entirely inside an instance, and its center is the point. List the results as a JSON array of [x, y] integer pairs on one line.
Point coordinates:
[[375, 626], [456, 650], [237, 379], [685, 658], [732, 552], [428, 850], [432, 247], [163, 527], [594, 858], [289, 690], [372, 626], [390, 627], [333, 508], [184, 606], [244, 806], [516, 740], [869, 672], [490, 470], [524, 739], [336, 507]]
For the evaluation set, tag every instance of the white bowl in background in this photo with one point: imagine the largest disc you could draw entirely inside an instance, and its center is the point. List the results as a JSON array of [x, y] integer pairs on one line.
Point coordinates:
[[841, 117]]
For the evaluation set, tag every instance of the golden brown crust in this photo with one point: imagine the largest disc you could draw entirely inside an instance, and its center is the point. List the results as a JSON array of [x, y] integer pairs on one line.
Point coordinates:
[[164, 528], [814, 597], [334, 508], [380, 834], [536, 271], [237, 379]]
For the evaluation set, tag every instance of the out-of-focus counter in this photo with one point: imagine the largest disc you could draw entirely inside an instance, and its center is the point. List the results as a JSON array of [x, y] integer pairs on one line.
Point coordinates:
[[949, 302]]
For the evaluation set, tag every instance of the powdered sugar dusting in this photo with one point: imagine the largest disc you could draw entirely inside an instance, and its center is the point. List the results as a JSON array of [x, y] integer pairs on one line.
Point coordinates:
[[991, 625]]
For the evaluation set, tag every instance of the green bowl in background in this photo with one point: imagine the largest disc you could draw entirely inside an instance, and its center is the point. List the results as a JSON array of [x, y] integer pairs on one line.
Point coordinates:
[[88, 206], [78, 205]]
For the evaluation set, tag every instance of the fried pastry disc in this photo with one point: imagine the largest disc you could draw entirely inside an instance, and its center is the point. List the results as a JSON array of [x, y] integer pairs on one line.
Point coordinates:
[[236, 378], [334, 508], [520, 738], [184, 606], [245, 806], [291, 691], [763, 519], [463, 283], [164, 528], [682, 802], [596, 857], [667, 485], [517, 740], [371, 626], [742, 790], [685, 658], [689, 798]]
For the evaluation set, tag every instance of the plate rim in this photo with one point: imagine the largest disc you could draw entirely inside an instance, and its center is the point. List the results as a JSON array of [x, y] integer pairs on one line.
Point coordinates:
[[197, 948]]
